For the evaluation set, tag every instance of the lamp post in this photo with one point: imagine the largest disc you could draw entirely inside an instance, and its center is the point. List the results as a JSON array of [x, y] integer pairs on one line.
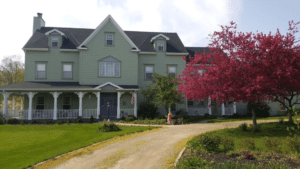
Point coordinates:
[[108, 110]]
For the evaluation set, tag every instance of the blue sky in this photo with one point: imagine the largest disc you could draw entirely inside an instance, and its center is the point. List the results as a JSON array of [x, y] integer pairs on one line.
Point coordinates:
[[193, 20]]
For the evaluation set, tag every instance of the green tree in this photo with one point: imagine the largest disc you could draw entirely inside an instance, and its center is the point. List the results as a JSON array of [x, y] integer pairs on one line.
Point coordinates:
[[162, 91]]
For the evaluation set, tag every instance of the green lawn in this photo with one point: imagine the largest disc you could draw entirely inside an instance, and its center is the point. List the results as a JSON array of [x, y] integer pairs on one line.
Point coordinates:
[[274, 129], [24, 145], [246, 118]]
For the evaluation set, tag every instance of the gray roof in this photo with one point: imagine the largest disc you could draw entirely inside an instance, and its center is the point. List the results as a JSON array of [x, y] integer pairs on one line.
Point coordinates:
[[55, 86], [75, 36], [193, 50]]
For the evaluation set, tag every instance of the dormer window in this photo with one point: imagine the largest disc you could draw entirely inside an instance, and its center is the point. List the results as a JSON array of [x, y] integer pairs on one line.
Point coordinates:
[[109, 39], [54, 41], [160, 46]]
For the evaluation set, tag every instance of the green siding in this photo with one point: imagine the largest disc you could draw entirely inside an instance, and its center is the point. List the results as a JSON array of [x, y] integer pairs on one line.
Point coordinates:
[[97, 50], [54, 58]]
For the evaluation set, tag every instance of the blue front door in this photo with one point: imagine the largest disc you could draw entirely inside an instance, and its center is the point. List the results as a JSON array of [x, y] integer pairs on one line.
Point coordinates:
[[111, 110]]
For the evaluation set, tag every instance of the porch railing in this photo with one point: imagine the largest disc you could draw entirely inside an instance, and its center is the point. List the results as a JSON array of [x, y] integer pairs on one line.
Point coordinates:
[[197, 111], [67, 114], [228, 110], [87, 113], [42, 114], [127, 111]]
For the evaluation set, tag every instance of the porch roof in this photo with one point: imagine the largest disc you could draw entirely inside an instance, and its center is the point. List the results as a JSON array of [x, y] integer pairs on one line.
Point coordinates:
[[54, 86]]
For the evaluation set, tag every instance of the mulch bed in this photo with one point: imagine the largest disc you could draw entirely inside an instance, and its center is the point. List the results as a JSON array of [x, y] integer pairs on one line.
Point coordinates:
[[262, 159]]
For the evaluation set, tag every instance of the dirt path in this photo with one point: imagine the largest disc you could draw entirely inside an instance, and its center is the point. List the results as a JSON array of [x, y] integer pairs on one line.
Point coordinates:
[[152, 150]]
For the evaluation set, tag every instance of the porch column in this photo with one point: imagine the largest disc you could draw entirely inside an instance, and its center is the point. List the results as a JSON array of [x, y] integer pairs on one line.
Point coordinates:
[[5, 101], [55, 96], [186, 104], [21, 103], [119, 104], [209, 105], [135, 104], [223, 109], [30, 96], [98, 103], [234, 107], [80, 95], [13, 102]]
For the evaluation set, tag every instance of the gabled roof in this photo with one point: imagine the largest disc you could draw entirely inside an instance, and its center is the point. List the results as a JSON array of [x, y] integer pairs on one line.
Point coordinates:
[[107, 19], [55, 30], [167, 38], [75, 37]]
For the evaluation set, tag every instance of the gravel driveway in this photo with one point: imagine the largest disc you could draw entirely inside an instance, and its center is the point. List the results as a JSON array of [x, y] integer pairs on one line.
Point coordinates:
[[152, 150]]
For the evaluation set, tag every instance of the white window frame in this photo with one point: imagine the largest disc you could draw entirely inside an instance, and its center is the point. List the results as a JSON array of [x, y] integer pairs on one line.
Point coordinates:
[[37, 65], [169, 70], [67, 64], [66, 104], [112, 39], [37, 98], [114, 68], [160, 44], [148, 72], [54, 39]]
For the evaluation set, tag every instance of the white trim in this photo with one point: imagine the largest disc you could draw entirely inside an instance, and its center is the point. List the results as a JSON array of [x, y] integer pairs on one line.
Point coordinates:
[[169, 53], [108, 18], [127, 89], [147, 53], [55, 30], [98, 87], [36, 49], [167, 38], [69, 50]]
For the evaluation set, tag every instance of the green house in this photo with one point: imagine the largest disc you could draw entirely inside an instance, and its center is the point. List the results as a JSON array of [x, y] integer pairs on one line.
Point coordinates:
[[71, 72]]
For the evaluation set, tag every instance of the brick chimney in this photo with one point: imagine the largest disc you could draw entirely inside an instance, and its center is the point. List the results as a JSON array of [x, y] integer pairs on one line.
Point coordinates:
[[38, 22]]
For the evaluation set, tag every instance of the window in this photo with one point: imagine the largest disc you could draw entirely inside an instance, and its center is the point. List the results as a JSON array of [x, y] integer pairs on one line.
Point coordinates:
[[160, 46], [54, 41], [172, 70], [66, 102], [173, 107], [109, 39], [148, 71], [190, 103], [201, 103], [40, 103], [213, 103], [109, 69], [41, 71], [67, 71]]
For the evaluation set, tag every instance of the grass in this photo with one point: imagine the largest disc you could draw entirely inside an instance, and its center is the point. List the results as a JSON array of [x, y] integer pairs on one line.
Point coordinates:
[[264, 155], [245, 118], [24, 145]]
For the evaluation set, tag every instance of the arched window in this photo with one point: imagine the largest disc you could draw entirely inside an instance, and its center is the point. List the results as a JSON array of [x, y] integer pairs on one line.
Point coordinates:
[[109, 67]]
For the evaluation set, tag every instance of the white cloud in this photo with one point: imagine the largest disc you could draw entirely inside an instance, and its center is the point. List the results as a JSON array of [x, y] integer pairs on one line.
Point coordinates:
[[193, 20]]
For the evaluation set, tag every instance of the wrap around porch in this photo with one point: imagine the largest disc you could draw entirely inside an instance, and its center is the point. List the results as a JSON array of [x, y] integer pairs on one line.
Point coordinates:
[[106, 101]]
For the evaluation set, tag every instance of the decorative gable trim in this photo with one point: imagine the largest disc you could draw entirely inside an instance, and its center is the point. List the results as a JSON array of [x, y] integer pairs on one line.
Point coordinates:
[[108, 18], [108, 83], [155, 37], [55, 30]]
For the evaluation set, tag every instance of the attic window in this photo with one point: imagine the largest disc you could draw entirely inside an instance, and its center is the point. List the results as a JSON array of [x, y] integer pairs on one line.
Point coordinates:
[[109, 39], [54, 41], [160, 46]]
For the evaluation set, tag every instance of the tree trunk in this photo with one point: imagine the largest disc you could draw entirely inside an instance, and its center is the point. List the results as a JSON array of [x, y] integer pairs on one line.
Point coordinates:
[[290, 116], [254, 118]]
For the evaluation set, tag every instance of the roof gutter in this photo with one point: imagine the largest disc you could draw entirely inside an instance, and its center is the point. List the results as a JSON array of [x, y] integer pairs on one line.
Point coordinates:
[[177, 54], [36, 49]]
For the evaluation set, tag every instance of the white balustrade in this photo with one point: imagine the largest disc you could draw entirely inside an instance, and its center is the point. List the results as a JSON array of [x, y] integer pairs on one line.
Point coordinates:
[[14, 114], [87, 113], [67, 114], [229, 111], [42, 114]]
